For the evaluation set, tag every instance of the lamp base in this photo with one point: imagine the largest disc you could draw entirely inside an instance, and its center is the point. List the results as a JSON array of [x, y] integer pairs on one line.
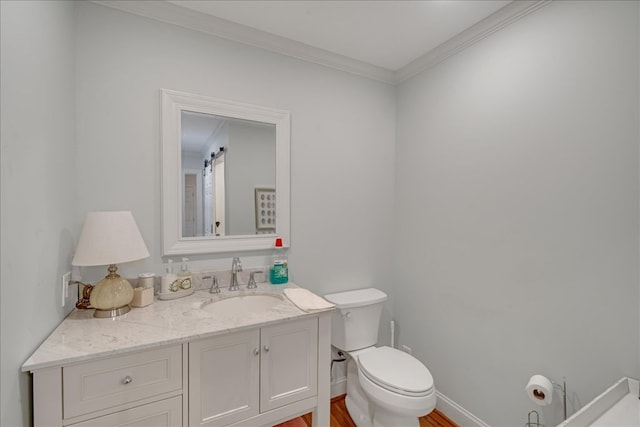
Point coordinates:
[[111, 312], [111, 296]]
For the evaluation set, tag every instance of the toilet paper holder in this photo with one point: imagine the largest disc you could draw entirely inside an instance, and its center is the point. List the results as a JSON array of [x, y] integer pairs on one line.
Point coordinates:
[[540, 395], [563, 390], [535, 422]]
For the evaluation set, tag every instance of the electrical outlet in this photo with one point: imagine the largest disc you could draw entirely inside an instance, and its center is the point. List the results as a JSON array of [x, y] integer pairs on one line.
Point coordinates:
[[406, 349], [66, 277]]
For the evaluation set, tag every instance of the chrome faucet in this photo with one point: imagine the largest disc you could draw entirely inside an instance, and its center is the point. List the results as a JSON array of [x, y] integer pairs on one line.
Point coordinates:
[[252, 280], [214, 289], [236, 267]]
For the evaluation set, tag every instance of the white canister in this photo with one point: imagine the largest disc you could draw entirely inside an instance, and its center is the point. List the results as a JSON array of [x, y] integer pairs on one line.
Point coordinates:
[[145, 280]]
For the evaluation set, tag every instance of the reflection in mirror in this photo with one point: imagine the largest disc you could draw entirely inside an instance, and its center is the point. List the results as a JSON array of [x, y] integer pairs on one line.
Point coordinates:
[[224, 162], [225, 175]]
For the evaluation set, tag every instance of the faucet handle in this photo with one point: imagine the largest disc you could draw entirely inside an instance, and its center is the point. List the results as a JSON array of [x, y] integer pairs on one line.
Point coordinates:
[[252, 281], [214, 289], [237, 263]]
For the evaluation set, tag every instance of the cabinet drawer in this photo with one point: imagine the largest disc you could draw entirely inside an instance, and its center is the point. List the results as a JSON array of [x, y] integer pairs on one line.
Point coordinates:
[[165, 413], [107, 383]]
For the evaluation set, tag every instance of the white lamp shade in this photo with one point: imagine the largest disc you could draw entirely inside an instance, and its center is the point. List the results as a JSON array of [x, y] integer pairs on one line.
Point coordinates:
[[109, 238]]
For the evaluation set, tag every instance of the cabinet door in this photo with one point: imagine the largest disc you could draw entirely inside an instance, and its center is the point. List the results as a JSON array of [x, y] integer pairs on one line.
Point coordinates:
[[223, 379], [165, 413], [289, 363]]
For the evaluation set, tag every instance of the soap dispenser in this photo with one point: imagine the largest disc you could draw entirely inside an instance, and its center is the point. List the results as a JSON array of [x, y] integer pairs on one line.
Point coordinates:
[[176, 285], [184, 276], [168, 279], [279, 271]]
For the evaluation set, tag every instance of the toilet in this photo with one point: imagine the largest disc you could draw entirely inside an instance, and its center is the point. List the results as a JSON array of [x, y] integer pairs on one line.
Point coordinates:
[[385, 386]]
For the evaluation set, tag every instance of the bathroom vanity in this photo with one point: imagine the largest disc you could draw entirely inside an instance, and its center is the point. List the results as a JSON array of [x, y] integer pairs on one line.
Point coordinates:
[[186, 363]]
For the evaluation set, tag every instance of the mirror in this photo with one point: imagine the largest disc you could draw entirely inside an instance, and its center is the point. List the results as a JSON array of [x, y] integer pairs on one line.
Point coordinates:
[[225, 175], [227, 163]]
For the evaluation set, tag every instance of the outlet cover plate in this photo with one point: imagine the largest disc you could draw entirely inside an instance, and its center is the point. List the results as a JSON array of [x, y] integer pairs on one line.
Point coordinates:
[[66, 278]]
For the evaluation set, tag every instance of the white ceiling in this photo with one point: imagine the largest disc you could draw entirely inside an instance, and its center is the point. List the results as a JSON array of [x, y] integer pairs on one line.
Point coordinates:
[[389, 41], [387, 34]]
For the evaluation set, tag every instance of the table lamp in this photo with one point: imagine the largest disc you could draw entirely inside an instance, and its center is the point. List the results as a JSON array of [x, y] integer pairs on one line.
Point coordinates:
[[110, 238]]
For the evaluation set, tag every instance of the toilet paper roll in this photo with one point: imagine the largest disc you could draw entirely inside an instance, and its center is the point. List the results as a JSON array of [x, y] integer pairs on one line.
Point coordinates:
[[540, 390]]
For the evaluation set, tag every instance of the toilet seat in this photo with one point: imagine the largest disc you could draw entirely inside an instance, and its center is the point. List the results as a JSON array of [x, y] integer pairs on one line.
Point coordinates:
[[396, 371]]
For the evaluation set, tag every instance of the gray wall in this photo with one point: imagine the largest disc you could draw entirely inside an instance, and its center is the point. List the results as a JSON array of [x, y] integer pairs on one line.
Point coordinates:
[[517, 211], [123, 60], [249, 163], [39, 222]]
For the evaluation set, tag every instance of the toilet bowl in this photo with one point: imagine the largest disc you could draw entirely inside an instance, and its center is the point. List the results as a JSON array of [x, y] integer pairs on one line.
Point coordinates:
[[392, 388], [385, 386]]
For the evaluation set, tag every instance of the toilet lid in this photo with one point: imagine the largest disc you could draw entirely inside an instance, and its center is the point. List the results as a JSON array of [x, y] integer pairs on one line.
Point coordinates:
[[396, 370]]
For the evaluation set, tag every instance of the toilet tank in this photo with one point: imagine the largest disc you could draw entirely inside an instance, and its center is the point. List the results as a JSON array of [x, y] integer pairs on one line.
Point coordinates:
[[356, 318]]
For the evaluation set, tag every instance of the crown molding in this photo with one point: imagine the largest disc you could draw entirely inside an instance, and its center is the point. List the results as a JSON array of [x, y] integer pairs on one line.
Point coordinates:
[[498, 20], [170, 13]]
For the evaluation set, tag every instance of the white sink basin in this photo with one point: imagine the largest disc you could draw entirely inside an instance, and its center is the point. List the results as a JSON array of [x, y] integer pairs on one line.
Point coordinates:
[[242, 304]]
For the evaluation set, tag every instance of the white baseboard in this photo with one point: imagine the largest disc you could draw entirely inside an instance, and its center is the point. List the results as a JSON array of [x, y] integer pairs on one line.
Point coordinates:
[[457, 413], [338, 387]]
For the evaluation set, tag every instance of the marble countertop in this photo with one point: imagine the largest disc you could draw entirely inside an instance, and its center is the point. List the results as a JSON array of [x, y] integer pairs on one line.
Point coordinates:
[[80, 336]]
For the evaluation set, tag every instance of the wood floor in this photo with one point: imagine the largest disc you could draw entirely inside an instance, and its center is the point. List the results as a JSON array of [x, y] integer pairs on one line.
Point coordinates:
[[340, 417]]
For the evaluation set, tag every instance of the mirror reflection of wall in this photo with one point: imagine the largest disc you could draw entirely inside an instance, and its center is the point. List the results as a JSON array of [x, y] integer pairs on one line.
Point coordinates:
[[223, 161]]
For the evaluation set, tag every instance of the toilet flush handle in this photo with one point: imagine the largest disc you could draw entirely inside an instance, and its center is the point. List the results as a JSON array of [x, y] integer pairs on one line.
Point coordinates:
[[347, 314]]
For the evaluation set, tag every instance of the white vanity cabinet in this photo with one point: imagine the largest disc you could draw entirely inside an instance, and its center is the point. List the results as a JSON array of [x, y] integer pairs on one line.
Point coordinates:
[[197, 369], [246, 377]]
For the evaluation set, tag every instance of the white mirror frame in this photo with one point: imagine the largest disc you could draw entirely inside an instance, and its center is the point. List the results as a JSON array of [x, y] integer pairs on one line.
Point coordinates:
[[173, 103]]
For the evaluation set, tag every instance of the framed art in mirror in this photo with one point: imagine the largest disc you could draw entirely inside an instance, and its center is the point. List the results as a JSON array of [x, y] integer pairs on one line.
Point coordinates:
[[265, 202]]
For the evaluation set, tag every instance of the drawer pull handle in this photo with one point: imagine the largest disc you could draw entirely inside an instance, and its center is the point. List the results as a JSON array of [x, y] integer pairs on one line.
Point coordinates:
[[256, 351], [127, 380], [266, 348]]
